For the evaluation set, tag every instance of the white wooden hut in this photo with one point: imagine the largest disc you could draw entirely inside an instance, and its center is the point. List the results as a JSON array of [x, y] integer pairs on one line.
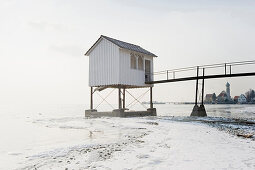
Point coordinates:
[[117, 64]]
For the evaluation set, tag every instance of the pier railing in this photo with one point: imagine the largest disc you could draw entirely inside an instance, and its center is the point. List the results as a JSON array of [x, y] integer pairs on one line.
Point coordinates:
[[230, 69]]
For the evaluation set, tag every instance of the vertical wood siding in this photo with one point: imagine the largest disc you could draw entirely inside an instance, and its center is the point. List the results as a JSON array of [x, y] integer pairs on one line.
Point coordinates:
[[129, 76], [110, 65], [103, 64]]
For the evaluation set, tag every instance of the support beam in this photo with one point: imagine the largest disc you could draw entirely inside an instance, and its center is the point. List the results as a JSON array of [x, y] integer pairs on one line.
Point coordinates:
[[91, 98], [203, 85], [199, 110], [201, 77], [197, 86], [124, 98], [151, 102], [119, 98]]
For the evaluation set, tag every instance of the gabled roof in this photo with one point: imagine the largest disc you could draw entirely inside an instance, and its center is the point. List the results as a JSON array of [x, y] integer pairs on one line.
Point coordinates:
[[236, 97], [222, 94], [123, 45], [242, 95], [208, 95]]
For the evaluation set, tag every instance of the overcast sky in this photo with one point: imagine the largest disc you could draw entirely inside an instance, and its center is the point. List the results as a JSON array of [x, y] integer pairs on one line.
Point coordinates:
[[42, 43]]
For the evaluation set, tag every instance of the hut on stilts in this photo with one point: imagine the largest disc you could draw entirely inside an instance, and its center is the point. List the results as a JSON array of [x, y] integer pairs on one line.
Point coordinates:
[[121, 65]]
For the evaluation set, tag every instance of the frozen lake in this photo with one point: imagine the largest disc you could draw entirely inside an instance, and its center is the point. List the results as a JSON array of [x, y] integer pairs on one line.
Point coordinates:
[[59, 137]]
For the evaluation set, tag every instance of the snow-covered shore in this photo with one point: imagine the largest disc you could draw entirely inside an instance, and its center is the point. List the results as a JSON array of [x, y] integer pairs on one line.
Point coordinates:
[[147, 143], [59, 137]]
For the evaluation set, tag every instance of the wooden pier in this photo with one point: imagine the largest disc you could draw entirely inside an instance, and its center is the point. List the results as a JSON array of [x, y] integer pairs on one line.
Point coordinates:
[[228, 72]]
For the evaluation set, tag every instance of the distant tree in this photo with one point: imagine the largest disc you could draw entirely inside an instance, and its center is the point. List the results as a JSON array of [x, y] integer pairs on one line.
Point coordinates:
[[214, 97], [250, 95], [247, 95]]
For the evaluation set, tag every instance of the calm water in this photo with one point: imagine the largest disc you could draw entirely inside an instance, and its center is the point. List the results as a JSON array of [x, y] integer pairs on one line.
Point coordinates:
[[56, 111], [227, 111], [27, 130]]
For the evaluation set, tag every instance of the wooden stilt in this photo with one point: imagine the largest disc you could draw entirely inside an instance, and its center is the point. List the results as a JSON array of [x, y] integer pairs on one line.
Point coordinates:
[[203, 85], [199, 110], [120, 98], [124, 98], [197, 86], [91, 98], [151, 103]]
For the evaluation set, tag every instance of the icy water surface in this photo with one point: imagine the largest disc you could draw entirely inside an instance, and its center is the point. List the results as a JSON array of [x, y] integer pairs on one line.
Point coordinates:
[[59, 137]]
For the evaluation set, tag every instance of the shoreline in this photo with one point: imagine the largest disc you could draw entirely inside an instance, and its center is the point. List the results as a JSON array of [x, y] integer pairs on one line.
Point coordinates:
[[153, 143]]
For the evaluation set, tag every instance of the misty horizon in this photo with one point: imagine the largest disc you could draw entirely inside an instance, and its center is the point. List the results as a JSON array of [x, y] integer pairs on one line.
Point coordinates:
[[42, 53]]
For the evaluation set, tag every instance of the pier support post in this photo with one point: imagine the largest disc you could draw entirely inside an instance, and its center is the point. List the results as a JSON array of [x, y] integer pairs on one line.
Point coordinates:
[[119, 96], [124, 98], [199, 110], [152, 110], [203, 86], [151, 102], [202, 107], [91, 98], [197, 86], [195, 111], [91, 110]]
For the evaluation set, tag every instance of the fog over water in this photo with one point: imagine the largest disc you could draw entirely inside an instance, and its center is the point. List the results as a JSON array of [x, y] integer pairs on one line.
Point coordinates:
[[42, 53]]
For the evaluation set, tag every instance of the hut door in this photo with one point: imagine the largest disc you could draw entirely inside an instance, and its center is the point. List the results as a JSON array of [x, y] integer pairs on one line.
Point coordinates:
[[147, 70]]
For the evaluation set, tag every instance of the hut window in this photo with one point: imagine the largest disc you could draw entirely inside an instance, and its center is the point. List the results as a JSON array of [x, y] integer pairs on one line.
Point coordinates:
[[140, 62], [133, 61]]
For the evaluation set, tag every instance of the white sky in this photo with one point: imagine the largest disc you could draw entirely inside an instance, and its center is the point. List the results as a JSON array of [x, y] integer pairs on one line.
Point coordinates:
[[42, 43]]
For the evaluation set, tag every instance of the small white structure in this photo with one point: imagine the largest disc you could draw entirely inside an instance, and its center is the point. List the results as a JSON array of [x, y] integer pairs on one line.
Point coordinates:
[[242, 99], [117, 64]]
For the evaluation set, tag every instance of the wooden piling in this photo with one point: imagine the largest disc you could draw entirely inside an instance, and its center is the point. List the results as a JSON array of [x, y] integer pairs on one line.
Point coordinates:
[[151, 102], [119, 98], [197, 85], [124, 98], [203, 85], [91, 98]]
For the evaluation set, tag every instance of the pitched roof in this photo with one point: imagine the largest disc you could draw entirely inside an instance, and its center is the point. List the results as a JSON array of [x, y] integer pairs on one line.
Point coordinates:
[[222, 94], [124, 45], [236, 97], [242, 95], [208, 95]]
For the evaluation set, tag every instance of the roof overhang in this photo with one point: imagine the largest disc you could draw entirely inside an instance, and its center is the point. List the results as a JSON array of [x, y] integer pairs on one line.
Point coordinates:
[[109, 39], [94, 45]]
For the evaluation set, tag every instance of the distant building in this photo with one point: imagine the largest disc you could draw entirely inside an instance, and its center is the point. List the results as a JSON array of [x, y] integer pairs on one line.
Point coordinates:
[[236, 99], [210, 98], [222, 97], [242, 99], [228, 91]]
